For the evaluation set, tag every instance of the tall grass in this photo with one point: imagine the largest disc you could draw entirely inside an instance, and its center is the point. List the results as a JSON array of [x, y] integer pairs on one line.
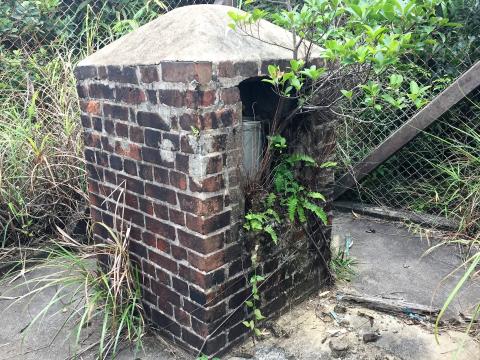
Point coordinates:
[[106, 297], [41, 166]]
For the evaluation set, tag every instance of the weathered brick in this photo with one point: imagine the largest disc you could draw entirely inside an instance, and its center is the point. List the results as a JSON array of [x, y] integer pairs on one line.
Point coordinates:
[[115, 112], [199, 244], [151, 155], [207, 263], [206, 225], [215, 164], [152, 96], [100, 91], [124, 74], [161, 175], [92, 140], [201, 207], [179, 253], [178, 180], [86, 121], [163, 262], [153, 138], [171, 97], [121, 130], [97, 123], [149, 74], [116, 162], [82, 91], [131, 184], [129, 150], [152, 120], [146, 206], [180, 286], [160, 228], [109, 126], [177, 217], [187, 72], [130, 167], [226, 69], [91, 107], [199, 98], [182, 317], [211, 184], [230, 95], [130, 95], [161, 193], [182, 163], [246, 69], [137, 135]]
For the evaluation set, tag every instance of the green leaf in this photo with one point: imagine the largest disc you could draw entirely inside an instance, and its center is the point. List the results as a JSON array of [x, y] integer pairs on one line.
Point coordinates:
[[317, 210], [292, 204], [348, 94], [269, 230], [316, 195], [258, 314], [328, 164]]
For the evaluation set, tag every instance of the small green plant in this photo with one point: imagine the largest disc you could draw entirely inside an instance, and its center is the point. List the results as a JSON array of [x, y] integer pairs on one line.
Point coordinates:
[[343, 265], [288, 202]]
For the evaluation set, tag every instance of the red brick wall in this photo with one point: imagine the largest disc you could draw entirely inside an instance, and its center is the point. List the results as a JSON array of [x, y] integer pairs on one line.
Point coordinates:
[[182, 196]]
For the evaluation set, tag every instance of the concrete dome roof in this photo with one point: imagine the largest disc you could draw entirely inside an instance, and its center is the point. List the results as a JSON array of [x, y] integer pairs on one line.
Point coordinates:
[[195, 33]]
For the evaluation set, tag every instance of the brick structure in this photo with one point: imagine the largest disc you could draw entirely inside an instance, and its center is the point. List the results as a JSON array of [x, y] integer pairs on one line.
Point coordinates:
[[162, 118]]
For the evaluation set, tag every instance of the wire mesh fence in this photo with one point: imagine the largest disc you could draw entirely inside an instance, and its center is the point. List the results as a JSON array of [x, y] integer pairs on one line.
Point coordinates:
[[419, 176], [33, 32], [30, 24]]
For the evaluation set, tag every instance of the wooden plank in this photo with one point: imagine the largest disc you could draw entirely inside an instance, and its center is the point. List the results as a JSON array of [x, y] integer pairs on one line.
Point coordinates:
[[461, 87], [391, 306]]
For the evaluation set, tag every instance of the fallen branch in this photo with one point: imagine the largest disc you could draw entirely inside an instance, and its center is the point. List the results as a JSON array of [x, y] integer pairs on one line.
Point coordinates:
[[391, 306]]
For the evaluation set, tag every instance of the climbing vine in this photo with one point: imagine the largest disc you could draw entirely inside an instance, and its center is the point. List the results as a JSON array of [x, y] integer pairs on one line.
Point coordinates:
[[289, 202]]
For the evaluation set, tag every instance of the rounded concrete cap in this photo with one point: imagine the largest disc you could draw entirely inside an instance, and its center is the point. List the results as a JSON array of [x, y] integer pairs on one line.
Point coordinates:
[[198, 33]]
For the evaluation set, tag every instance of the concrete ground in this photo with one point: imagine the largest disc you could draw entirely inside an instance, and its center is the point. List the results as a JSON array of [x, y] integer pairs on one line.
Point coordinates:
[[389, 263]]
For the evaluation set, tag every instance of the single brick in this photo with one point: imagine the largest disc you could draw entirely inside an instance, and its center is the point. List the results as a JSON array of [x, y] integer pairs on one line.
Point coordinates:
[[203, 225], [230, 95], [91, 107], [152, 120], [115, 112], [137, 135], [207, 263], [178, 180], [177, 217], [171, 97], [199, 244], [201, 207], [187, 72], [129, 150], [153, 138], [149, 74], [160, 228], [161, 193], [163, 262], [130, 167], [121, 130], [82, 91], [124, 74], [129, 95], [100, 91], [246, 69]]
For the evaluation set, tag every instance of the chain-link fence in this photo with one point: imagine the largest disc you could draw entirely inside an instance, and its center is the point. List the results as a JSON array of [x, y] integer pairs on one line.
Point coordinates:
[[30, 24], [421, 176]]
